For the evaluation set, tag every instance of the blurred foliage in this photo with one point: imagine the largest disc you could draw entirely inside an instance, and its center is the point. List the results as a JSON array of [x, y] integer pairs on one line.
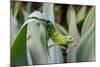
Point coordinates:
[[74, 20]]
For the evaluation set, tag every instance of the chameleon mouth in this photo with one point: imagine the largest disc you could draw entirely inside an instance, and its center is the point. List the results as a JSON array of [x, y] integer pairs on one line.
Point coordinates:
[[72, 40]]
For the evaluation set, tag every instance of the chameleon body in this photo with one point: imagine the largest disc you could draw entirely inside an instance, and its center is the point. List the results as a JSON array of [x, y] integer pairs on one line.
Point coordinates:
[[53, 34]]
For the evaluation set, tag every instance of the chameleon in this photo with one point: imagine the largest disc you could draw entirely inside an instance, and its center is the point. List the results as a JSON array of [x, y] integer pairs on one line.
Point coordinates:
[[55, 36]]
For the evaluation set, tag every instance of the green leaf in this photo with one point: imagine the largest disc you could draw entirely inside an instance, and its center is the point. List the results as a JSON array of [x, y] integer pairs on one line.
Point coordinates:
[[86, 50], [28, 7], [89, 20], [71, 19], [80, 17], [38, 47], [20, 19], [81, 14], [18, 48]]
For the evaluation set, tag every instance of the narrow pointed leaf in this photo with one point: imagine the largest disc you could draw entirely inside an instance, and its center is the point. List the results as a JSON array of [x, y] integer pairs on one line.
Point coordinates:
[[90, 19], [80, 17], [18, 48], [86, 50], [81, 14]]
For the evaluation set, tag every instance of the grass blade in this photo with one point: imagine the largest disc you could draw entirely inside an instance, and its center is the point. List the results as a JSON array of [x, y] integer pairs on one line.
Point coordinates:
[[81, 14], [18, 48], [88, 21], [80, 17], [86, 50]]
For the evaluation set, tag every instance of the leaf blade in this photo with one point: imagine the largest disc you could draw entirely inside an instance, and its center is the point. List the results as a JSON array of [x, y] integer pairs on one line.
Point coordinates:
[[18, 48], [89, 20], [87, 44], [81, 14]]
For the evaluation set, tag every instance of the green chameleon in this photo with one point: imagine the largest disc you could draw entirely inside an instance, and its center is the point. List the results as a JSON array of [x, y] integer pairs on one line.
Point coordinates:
[[53, 34]]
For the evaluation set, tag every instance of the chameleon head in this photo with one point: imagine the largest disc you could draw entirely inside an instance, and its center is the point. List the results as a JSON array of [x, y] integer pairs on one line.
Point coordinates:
[[68, 39]]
